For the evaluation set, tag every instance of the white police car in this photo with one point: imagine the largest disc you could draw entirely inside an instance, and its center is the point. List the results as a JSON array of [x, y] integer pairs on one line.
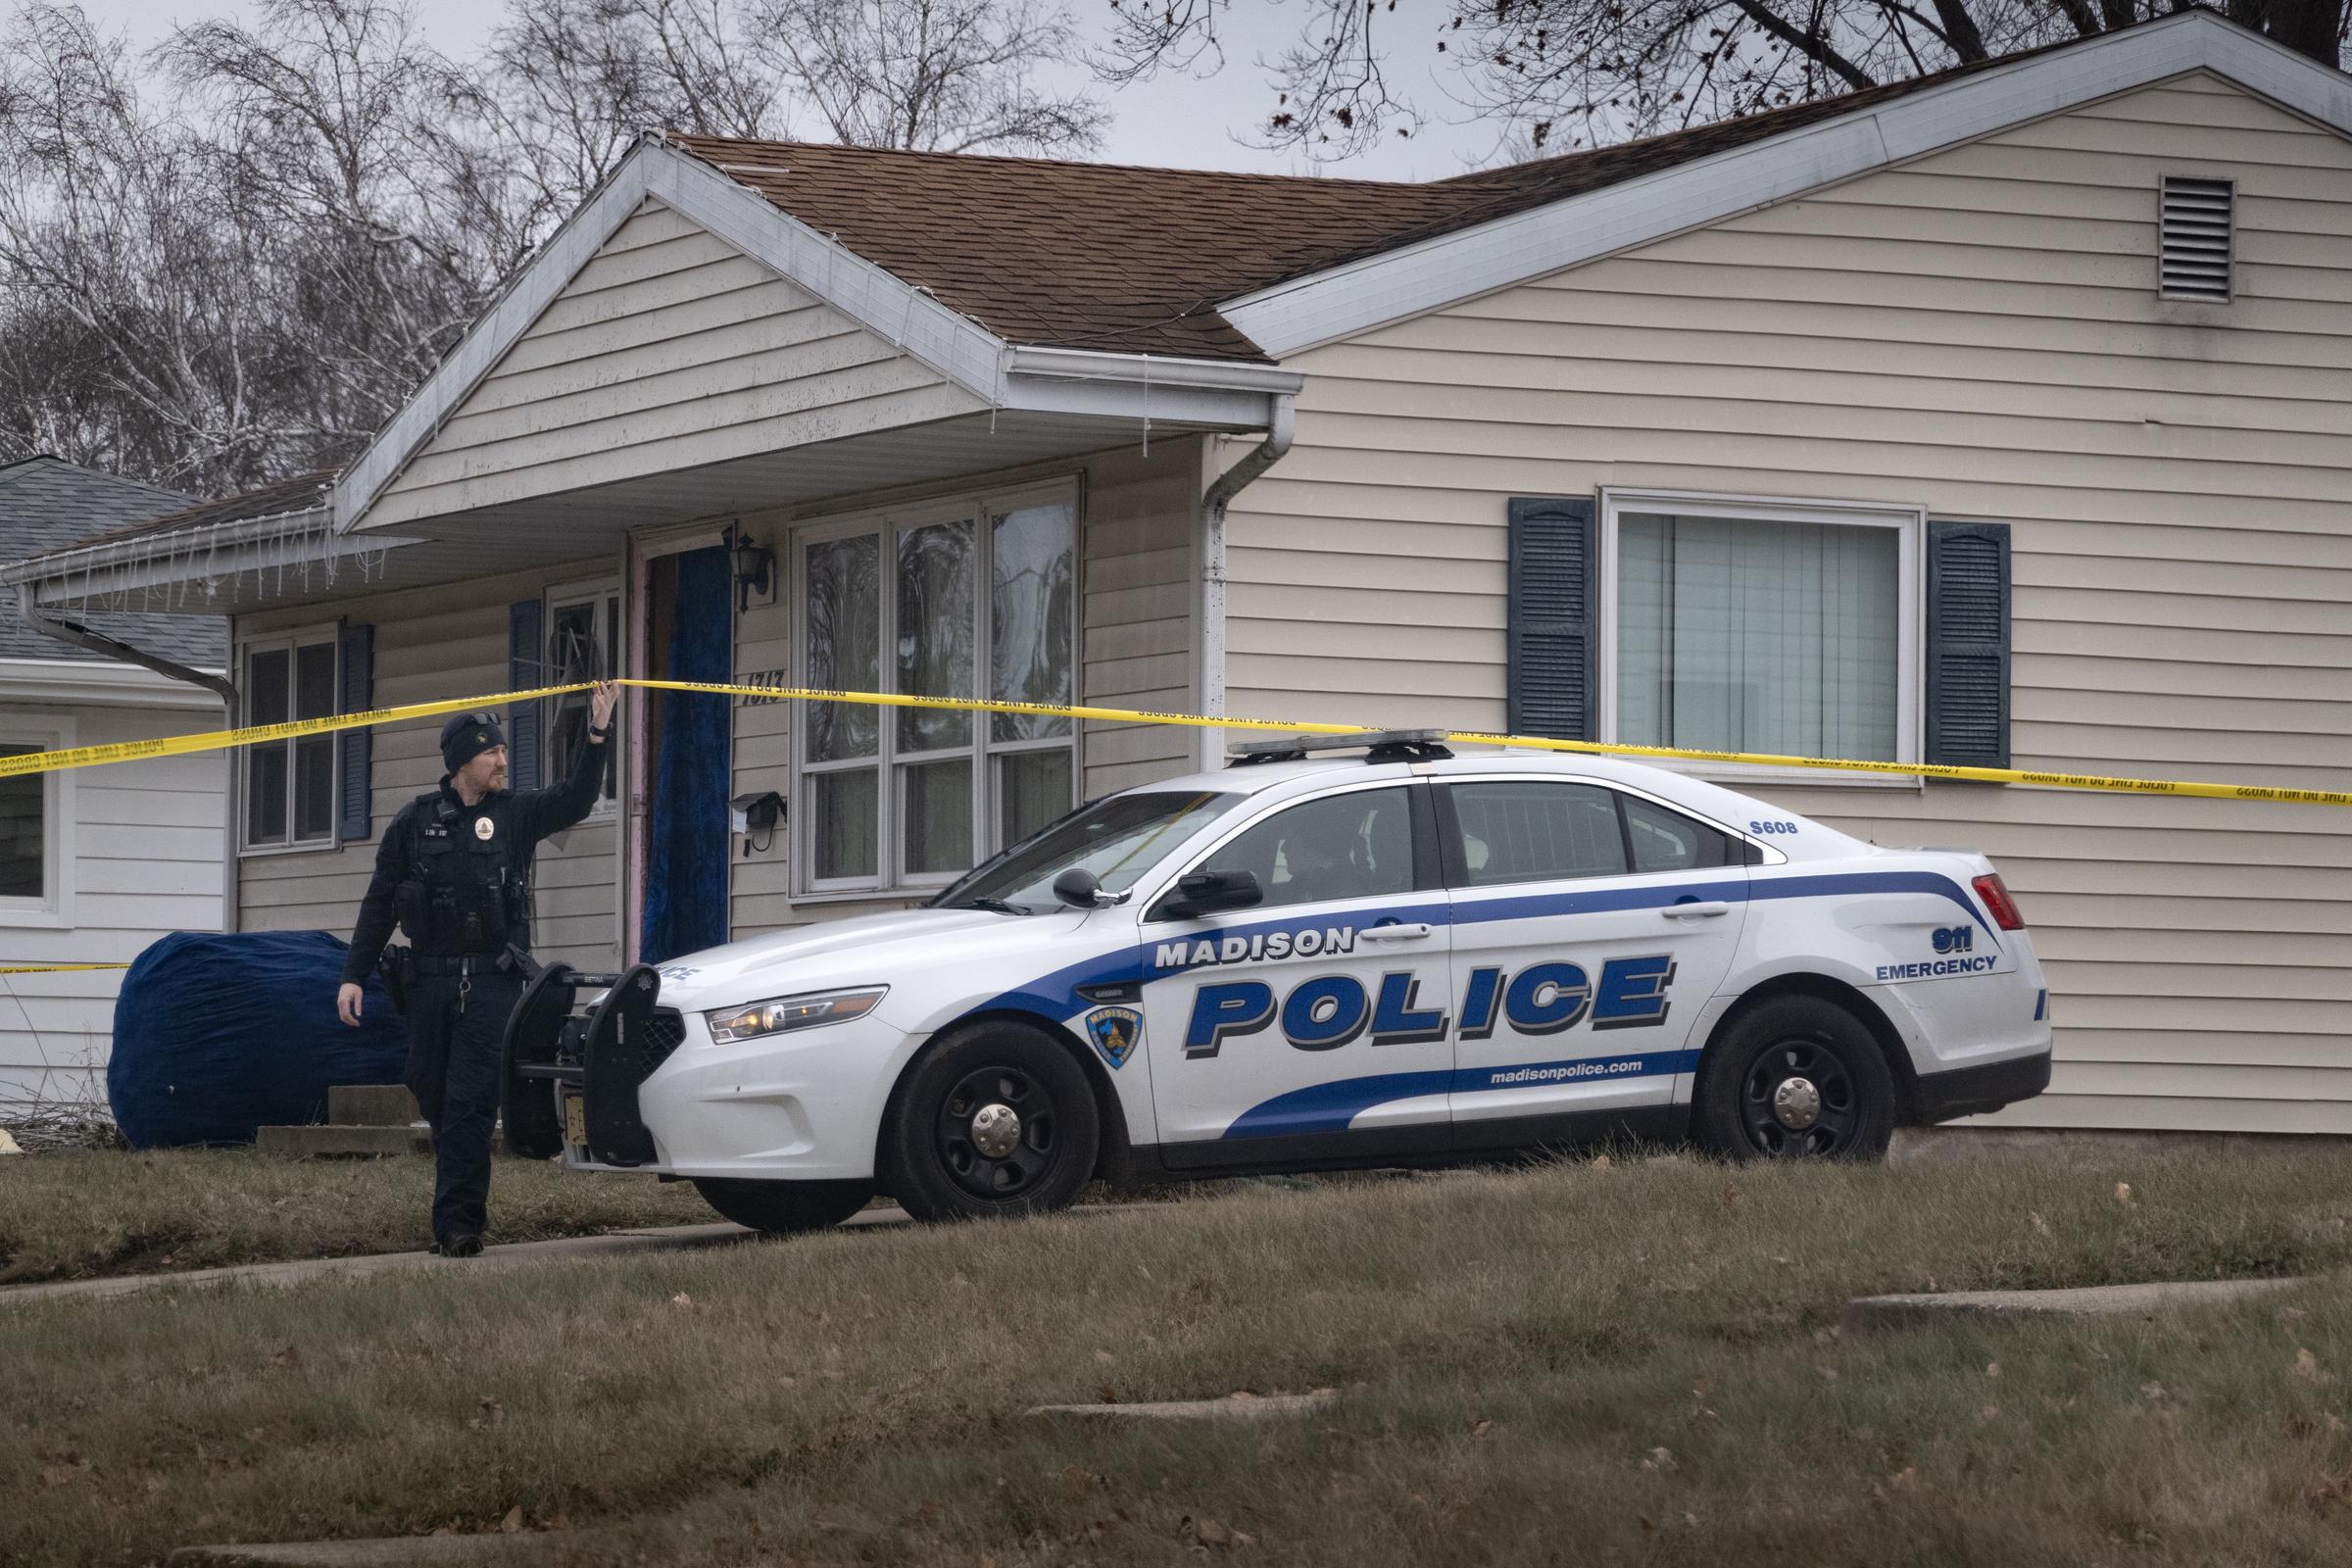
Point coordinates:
[[1397, 957]]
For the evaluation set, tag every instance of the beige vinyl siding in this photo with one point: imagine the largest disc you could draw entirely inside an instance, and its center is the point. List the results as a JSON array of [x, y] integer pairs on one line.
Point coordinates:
[[431, 645], [668, 350], [143, 862], [1978, 333], [1137, 528]]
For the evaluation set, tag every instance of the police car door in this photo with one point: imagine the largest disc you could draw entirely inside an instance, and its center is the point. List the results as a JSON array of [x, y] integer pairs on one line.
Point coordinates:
[[1591, 928], [1314, 1024]]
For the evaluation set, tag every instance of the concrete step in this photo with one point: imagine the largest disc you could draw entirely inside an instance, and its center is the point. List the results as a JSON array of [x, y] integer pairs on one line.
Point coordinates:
[[371, 1105], [335, 1142]]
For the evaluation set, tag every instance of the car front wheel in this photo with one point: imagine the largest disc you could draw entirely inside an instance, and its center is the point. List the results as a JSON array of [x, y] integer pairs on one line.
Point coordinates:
[[999, 1120], [1796, 1077], [785, 1208]]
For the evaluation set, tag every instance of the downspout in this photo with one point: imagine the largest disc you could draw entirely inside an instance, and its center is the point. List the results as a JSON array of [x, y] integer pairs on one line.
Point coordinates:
[[96, 642], [1213, 503]]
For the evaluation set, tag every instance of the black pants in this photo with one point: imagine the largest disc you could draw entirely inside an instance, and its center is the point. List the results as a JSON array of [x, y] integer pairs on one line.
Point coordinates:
[[455, 1059]]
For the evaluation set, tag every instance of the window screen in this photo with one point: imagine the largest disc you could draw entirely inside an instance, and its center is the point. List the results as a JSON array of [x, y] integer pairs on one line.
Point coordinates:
[[1355, 846], [1528, 831]]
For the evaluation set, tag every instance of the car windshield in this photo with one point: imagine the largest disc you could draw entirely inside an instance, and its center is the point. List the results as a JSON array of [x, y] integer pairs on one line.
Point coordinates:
[[1118, 839]]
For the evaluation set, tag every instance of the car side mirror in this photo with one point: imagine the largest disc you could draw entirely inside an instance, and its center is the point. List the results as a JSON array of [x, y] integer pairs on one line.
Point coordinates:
[[1202, 893], [1081, 889]]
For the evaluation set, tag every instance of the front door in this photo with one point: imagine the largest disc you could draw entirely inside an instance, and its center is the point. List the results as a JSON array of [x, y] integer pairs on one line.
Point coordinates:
[[1591, 928], [1315, 1025]]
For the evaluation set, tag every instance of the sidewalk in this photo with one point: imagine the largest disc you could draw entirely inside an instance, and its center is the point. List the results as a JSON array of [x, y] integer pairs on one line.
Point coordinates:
[[615, 1244]]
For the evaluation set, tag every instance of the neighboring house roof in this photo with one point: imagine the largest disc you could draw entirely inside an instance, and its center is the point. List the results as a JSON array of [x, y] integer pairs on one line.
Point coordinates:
[[1134, 260], [47, 503]]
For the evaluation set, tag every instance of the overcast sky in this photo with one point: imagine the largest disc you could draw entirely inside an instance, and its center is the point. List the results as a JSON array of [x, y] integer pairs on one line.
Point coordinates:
[[1173, 121]]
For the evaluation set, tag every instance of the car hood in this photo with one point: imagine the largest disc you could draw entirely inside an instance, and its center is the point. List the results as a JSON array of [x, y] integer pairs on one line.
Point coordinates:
[[896, 948]]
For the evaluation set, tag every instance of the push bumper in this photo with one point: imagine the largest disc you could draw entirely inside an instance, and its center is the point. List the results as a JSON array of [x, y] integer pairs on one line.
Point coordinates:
[[1988, 1085]]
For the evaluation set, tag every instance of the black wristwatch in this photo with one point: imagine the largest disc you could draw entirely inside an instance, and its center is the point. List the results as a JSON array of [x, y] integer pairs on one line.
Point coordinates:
[[598, 737]]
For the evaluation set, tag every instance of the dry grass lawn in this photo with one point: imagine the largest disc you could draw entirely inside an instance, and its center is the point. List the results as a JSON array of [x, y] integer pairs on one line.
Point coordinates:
[[1632, 1364], [118, 1211]]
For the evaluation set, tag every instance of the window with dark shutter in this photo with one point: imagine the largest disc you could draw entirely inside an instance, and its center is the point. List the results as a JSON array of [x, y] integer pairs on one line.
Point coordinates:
[[525, 671], [2195, 220], [1554, 581], [1968, 644], [355, 749]]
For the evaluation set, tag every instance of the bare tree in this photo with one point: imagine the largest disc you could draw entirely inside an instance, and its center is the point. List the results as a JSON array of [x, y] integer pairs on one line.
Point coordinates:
[[938, 75], [1555, 74]]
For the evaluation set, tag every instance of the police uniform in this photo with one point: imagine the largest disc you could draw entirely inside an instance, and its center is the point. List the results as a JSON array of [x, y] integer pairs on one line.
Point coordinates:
[[457, 879]]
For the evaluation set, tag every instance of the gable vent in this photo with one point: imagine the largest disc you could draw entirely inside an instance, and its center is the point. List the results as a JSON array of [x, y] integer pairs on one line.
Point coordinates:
[[2196, 224]]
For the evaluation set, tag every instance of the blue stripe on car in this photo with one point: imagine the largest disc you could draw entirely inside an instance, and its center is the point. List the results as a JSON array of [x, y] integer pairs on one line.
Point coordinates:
[[1332, 1106]]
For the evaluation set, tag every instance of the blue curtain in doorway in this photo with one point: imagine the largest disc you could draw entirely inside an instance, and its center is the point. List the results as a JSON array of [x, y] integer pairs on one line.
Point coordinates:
[[686, 861]]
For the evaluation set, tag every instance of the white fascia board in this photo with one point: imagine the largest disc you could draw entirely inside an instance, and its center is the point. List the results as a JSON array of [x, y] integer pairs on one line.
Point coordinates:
[[95, 680], [1339, 303], [1236, 395], [955, 346]]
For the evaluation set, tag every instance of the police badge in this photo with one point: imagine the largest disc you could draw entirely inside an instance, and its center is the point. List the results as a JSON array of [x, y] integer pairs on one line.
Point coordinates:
[[1115, 1032]]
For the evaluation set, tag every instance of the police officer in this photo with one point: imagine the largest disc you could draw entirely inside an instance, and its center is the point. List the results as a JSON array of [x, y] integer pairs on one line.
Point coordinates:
[[455, 869]]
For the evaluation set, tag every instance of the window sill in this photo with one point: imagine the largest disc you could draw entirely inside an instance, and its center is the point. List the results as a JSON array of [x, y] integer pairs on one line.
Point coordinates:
[[264, 852], [1741, 776], [27, 917], [906, 896]]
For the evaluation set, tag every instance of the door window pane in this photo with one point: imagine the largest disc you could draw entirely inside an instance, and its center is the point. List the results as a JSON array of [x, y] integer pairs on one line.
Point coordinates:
[[938, 803], [844, 646], [315, 787], [935, 633], [1355, 846], [24, 835], [583, 643], [315, 682], [843, 809], [1033, 790], [1752, 635], [1538, 832], [1031, 613], [1668, 841]]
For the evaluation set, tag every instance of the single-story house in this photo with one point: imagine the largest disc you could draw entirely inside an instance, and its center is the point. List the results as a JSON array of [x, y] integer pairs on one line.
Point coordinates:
[[94, 865], [2003, 414]]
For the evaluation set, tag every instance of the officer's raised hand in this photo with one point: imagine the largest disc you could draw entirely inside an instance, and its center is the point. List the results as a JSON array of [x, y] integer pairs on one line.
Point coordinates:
[[347, 1003], [601, 699]]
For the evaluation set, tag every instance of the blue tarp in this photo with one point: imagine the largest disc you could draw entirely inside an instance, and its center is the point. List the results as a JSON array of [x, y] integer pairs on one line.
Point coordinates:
[[218, 1035]]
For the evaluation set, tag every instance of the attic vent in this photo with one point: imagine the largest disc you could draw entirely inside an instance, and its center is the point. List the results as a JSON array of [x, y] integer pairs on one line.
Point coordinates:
[[2195, 226]]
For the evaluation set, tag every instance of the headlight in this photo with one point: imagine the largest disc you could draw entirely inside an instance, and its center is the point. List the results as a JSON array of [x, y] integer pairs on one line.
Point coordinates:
[[785, 1013]]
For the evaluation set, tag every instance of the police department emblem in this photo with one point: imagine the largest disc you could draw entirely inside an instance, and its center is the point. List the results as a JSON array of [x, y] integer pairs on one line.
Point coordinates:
[[1115, 1032], [483, 827]]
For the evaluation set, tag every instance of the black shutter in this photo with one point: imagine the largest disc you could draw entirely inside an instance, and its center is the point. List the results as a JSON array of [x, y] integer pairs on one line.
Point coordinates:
[[355, 749], [1968, 644], [525, 668], [1555, 579]]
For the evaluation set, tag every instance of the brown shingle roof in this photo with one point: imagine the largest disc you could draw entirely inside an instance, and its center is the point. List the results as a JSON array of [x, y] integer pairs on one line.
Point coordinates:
[[297, 493], [1132, 260]]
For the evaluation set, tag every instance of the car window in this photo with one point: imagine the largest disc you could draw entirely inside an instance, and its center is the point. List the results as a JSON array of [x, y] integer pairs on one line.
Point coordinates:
[[1118, 839], [1530, 830], [1668, 841], [1353, 846]]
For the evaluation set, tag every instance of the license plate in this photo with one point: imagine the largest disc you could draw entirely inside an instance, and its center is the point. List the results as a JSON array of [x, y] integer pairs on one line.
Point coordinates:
[[575, 1121]]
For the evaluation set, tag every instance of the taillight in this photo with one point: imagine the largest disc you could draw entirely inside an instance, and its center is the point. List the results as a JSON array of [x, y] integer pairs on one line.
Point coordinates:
[[1995, 894]]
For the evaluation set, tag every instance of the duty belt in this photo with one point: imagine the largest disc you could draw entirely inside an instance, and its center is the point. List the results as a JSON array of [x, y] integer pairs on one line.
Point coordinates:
[[457, 964]]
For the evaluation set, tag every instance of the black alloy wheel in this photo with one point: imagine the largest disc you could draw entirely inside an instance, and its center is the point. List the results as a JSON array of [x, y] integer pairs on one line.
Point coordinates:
[[1796, 1078], [999, 1120]]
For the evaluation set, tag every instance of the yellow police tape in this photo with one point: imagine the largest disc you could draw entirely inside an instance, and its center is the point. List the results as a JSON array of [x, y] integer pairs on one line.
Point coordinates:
[[181, 745], [56, 969]]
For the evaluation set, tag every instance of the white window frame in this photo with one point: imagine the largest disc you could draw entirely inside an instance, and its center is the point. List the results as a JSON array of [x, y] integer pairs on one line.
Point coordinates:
[[331, 634], [1910, 524], [889, 523], [53, 910], [605, 593]]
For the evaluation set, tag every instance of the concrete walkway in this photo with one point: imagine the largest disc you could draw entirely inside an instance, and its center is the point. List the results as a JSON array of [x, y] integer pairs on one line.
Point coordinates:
[[2096, 1300], [615, 1244]]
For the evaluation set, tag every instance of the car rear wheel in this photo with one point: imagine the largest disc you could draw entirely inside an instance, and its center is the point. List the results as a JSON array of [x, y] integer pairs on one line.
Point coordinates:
[[1795, 1078], [996, 1121], [785, 1208]]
